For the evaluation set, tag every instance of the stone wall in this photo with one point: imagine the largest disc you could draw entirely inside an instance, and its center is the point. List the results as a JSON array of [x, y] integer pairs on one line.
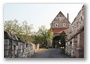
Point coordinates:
[[80, 46], [15, 47], [75, 36]]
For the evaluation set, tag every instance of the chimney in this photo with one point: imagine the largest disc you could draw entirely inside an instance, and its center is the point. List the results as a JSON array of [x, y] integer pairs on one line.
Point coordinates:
[[68, 16]]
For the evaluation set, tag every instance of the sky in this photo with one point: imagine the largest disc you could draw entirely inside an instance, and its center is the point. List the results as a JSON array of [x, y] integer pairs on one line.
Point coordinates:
[[39, 14]]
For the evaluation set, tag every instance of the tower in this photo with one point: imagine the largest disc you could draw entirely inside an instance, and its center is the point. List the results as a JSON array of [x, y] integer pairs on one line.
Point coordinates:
[[60, 23]]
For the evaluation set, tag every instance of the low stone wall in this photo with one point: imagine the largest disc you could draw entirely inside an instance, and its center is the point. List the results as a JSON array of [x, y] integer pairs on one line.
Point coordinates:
[[17, 48]]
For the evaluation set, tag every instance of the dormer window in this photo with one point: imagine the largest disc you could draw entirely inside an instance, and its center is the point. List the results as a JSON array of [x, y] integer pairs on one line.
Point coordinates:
[[64, 25], [56, 25]]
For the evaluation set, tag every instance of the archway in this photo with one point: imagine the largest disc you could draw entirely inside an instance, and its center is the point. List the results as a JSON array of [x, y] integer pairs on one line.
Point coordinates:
[[60, 40], [56, 43]]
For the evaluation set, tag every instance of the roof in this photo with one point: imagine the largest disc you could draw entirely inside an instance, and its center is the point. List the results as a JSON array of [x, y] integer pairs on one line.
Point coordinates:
[[21, 39], [58, 30], [14, 37], [78, 14], [7, 35], [82, 29], [60, 14]]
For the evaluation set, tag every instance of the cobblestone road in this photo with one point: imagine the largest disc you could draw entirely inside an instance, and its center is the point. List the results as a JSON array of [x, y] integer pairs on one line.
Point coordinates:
[[49, 53]]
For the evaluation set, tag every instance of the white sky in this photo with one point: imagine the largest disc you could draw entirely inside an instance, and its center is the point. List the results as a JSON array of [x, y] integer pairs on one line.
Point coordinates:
[[39, 14]]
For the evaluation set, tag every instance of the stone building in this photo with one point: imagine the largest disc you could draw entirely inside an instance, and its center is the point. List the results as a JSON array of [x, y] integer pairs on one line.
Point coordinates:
[[75, 36], [59, 24]]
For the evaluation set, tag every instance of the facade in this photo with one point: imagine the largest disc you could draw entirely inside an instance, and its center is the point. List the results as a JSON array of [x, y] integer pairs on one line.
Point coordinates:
[[60, 24], [75, 36]]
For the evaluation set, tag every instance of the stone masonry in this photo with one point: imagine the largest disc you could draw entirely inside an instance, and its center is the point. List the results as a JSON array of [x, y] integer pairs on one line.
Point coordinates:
[[75, 36], [15, 47]]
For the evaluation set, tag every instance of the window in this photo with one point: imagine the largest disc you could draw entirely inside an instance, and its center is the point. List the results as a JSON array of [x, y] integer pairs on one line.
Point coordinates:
[[56, 25]]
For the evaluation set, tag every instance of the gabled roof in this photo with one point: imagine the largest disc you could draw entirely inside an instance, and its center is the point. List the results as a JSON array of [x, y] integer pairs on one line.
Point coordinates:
[[7, 35], [60, 14]]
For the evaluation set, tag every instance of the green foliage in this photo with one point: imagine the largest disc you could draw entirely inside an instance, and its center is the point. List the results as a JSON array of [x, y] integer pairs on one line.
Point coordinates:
[[26, 29], [43, 35], [38, 39], [46, 34], [14, 27], [49, 36], [63, 38]]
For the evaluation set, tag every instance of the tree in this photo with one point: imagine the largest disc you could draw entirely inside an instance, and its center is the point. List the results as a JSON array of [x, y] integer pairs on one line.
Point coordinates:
[[26, 31], [63, 38], [49, 36], [43, 33], [14, 27], [38, 39], [26, 28], [46, 35], [7, 26]]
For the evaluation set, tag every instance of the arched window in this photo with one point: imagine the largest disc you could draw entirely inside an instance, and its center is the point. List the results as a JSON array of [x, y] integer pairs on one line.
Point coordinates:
[[56, 24], [64, 25]]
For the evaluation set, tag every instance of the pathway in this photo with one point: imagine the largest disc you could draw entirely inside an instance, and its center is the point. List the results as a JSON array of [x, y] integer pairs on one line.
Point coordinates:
[[49, 53]]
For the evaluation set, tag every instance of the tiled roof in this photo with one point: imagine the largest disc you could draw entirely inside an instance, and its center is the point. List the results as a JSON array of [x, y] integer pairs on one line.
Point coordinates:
[[58, 30]]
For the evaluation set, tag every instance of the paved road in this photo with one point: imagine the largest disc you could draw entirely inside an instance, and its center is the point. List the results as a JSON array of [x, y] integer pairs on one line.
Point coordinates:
[[49, 53]]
